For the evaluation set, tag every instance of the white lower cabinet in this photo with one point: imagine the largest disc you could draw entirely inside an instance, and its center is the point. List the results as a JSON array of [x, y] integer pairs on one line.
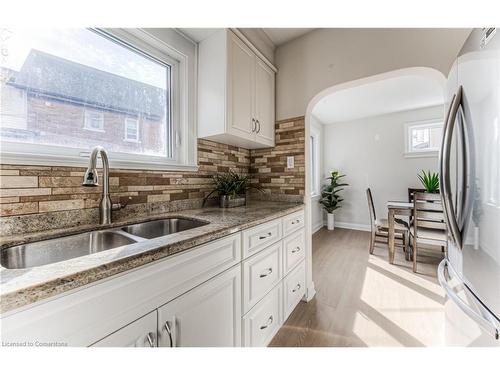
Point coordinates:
[[209, 315], [294, 288], [262, 322], [141, 333], [250, 281], [260, 273]]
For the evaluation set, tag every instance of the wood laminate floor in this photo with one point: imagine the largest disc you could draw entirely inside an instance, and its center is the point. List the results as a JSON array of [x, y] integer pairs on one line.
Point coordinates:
[[362, 300]]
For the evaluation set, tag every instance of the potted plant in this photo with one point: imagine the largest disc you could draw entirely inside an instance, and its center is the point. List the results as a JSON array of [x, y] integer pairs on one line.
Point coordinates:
[[231, 188], [330, 198], [430, 181]]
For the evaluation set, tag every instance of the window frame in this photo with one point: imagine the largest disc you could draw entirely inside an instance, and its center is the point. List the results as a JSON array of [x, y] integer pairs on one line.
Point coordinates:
[[314, 154], [87, 113], [126, 138], [182, 132], [410, 152]]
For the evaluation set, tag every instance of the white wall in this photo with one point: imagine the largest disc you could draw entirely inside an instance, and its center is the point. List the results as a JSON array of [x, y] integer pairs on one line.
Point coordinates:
[[316, 210], [370, 152], [326, 57]]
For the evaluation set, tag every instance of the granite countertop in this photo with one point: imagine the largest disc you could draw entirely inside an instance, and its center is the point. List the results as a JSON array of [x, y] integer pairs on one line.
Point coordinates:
[[20, 287]]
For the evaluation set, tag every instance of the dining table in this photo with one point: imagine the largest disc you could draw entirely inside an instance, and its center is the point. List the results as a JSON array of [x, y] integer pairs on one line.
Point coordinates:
[[395, 208]]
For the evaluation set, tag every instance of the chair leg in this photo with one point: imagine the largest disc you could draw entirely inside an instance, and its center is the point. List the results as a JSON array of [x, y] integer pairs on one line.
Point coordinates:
[[372, 242], [414, 254]]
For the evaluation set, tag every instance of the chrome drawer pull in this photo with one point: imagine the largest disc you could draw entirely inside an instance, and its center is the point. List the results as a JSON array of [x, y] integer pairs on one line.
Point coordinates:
[[151, 339], [269, 234], [268, 323], [296, 250], [296, 288], [267, 273], [295, 222]]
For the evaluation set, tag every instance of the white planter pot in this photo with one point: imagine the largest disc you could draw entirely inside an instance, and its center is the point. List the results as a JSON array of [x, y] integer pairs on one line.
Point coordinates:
[[330, 221]]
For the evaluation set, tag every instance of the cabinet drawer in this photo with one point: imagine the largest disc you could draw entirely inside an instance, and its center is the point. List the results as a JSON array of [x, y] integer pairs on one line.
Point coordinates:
[[263, 321], [261, 236], [260, 274], [293, 250], [294, 288], [293, 222]]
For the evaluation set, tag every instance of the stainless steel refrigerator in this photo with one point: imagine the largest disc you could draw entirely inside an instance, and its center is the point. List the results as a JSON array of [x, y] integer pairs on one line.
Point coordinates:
[[470, 191]]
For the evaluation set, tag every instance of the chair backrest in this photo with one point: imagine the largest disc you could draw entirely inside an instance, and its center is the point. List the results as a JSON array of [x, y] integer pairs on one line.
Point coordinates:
[[428, 211], [371, 207]]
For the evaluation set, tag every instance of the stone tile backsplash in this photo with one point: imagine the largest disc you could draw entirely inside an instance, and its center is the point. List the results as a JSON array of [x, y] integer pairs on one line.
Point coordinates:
[[36, 198]]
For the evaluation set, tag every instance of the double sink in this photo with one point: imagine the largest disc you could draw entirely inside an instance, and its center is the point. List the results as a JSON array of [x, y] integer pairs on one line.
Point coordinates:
[[73, 246]]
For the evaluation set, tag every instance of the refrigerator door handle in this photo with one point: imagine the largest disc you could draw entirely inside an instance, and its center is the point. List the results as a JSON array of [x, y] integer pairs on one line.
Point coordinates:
[[486, 323], [444, 175]]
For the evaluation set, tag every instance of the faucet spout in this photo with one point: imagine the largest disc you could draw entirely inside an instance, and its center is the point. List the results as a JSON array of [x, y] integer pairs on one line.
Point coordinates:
[[91, 179]]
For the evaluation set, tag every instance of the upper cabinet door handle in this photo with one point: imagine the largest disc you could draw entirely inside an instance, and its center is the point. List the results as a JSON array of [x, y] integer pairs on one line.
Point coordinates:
[[254, 125], [258, 124], [151, 339]]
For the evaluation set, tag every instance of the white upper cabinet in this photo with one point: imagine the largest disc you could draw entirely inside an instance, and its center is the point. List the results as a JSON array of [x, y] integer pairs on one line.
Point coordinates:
[[235, 93], [264, 103]]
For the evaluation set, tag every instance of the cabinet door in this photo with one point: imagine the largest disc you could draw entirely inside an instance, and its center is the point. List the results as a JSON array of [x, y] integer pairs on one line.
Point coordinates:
[[264, 103], [140, 333], [208, 315], [240, 98]]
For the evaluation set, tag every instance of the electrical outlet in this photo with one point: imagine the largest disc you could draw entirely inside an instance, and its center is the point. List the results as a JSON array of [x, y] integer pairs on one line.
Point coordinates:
[[290, 162]]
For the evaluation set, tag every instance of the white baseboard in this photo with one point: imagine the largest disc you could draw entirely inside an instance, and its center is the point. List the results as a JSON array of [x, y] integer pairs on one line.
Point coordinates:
[[317, 227], [355, 226]]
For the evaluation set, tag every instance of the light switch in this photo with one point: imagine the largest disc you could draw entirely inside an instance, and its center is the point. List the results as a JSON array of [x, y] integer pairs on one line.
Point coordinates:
[[290, 162]]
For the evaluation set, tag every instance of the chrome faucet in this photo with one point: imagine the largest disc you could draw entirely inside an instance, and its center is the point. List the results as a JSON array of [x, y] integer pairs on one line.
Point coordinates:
[[91, 179]]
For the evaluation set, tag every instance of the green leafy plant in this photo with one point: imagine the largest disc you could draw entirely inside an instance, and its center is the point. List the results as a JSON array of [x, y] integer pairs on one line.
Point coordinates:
[[330, 198], [230, 183], [430, 181]]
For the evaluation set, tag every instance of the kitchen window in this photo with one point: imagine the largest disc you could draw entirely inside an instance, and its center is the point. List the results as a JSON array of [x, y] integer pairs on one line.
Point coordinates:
[[107, 80], [131, 129], [93, 120], [423, 138]]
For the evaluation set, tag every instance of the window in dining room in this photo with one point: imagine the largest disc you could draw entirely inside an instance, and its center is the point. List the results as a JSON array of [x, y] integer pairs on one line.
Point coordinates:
[[423, 138]]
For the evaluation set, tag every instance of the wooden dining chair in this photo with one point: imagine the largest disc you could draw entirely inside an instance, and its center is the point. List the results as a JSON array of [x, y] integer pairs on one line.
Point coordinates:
[[428, 226], [380, 228]]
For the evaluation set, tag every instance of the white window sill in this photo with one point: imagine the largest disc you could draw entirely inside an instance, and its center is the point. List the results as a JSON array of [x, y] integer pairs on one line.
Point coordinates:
[[16, 158], [421, 154], [131, 140], [94, 130]]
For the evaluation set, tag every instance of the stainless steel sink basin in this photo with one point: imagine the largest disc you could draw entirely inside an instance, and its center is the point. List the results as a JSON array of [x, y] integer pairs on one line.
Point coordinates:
[[62, 248], [158, 228]]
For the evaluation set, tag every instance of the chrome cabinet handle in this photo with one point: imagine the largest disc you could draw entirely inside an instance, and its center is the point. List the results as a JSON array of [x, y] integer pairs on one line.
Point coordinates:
[[296, 250], [266, 273], [254, 125], [269, 234], [295, 222], [296, 288], [268, 323], [151, 339], [169, 332], [258, 123], [487, 323], [445, 189]]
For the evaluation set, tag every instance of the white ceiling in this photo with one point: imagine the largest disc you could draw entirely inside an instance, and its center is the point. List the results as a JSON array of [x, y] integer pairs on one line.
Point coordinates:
[[379, 97], [281, 36], [276, 35]]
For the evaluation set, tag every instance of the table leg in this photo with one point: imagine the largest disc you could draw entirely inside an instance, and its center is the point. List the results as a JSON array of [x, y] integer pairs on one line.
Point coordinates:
[[390, 220]]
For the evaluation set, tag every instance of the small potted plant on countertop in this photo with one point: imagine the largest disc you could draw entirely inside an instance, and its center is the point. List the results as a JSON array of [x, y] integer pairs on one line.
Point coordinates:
[[430, 181], [330, 198], [231, 188]]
